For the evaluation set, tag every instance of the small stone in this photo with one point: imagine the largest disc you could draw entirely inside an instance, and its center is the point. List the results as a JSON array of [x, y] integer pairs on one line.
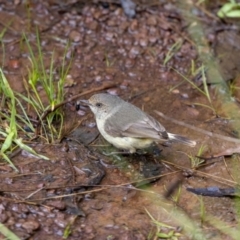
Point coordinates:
[[97, 206], [14, 63], [98, 78], [111, 23], [75, 36], [143, 42], [129, 7], [89, 229], [109, 223], [69, 81], [30, 226], [118, 12], [192, 111], [184, 95], [57, 204], [61, 222], [146, 99], [72, 23], [175, 91], [109, 36], [134, 51], [113, 91], [3, 217], [133, 26], [123, 26], [152, 21], [93, 25], [132, 74], [129, 63], [152, 39], [128, 41], [124, 84], [109, 77]]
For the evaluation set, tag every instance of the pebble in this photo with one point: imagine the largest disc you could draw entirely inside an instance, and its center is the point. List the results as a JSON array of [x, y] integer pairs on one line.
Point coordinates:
[[132, 74], [11, 221], [123, 27], [124, 84], [15, 207], [93, 25], [129, 63], [3, 217], [109, 77], [109, 36], [184, 95], [133, 26], [112, 23], [98, 78], [143, 42], [193, 111], [109, 224], [97, 206], [60, 205], [75, 36], [14, 64], [152, 21], [128, 41], [113, 91], [30, 225], [48, 229], [152, 39], [72, 23], [175, 91], [88, 229], [61, 222], [134, 51]]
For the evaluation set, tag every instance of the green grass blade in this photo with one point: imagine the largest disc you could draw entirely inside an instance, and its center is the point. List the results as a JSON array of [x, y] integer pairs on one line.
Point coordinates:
[[190, 82], [205, 86], [7, 233]]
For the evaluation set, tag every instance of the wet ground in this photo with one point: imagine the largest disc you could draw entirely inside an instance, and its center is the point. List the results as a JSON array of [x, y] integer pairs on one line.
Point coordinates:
[[83, 194]]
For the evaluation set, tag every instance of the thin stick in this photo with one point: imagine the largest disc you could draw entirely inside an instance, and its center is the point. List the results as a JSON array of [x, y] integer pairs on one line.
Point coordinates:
[[208, 133]]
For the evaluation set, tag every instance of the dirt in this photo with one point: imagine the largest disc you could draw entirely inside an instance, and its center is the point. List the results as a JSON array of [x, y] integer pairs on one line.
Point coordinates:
[[81, 193]]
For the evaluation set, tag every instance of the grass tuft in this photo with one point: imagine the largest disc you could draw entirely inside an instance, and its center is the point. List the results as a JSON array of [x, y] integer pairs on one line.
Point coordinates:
[[43, 92], [204, 91], [196, 161], [39, 77], [9, 127], [173, 50]]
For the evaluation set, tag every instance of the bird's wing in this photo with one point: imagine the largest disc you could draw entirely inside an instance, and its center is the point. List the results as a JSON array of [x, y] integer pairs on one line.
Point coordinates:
[[147, 127]]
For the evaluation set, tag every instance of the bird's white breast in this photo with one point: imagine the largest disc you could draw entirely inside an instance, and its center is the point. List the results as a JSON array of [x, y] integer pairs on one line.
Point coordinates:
[[126, 143]]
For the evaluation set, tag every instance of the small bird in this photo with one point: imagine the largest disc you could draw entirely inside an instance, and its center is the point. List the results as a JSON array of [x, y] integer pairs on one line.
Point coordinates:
[[126, 126]]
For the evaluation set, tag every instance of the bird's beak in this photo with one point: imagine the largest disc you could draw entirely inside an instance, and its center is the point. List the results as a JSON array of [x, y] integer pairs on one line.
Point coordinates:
[[82, 102]]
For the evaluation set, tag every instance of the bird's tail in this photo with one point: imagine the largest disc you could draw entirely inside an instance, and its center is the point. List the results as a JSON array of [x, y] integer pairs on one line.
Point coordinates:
[[181, 139]]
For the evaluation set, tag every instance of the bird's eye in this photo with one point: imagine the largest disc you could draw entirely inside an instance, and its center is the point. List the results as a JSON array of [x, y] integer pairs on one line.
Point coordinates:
[[98, 104]]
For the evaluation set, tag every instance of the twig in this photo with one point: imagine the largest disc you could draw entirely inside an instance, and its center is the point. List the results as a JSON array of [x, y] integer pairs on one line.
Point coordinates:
[[208, 133], [208, 13], [203, 174]]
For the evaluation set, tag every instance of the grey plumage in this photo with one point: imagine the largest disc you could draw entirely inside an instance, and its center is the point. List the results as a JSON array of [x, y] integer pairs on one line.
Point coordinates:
[[127, 126]]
